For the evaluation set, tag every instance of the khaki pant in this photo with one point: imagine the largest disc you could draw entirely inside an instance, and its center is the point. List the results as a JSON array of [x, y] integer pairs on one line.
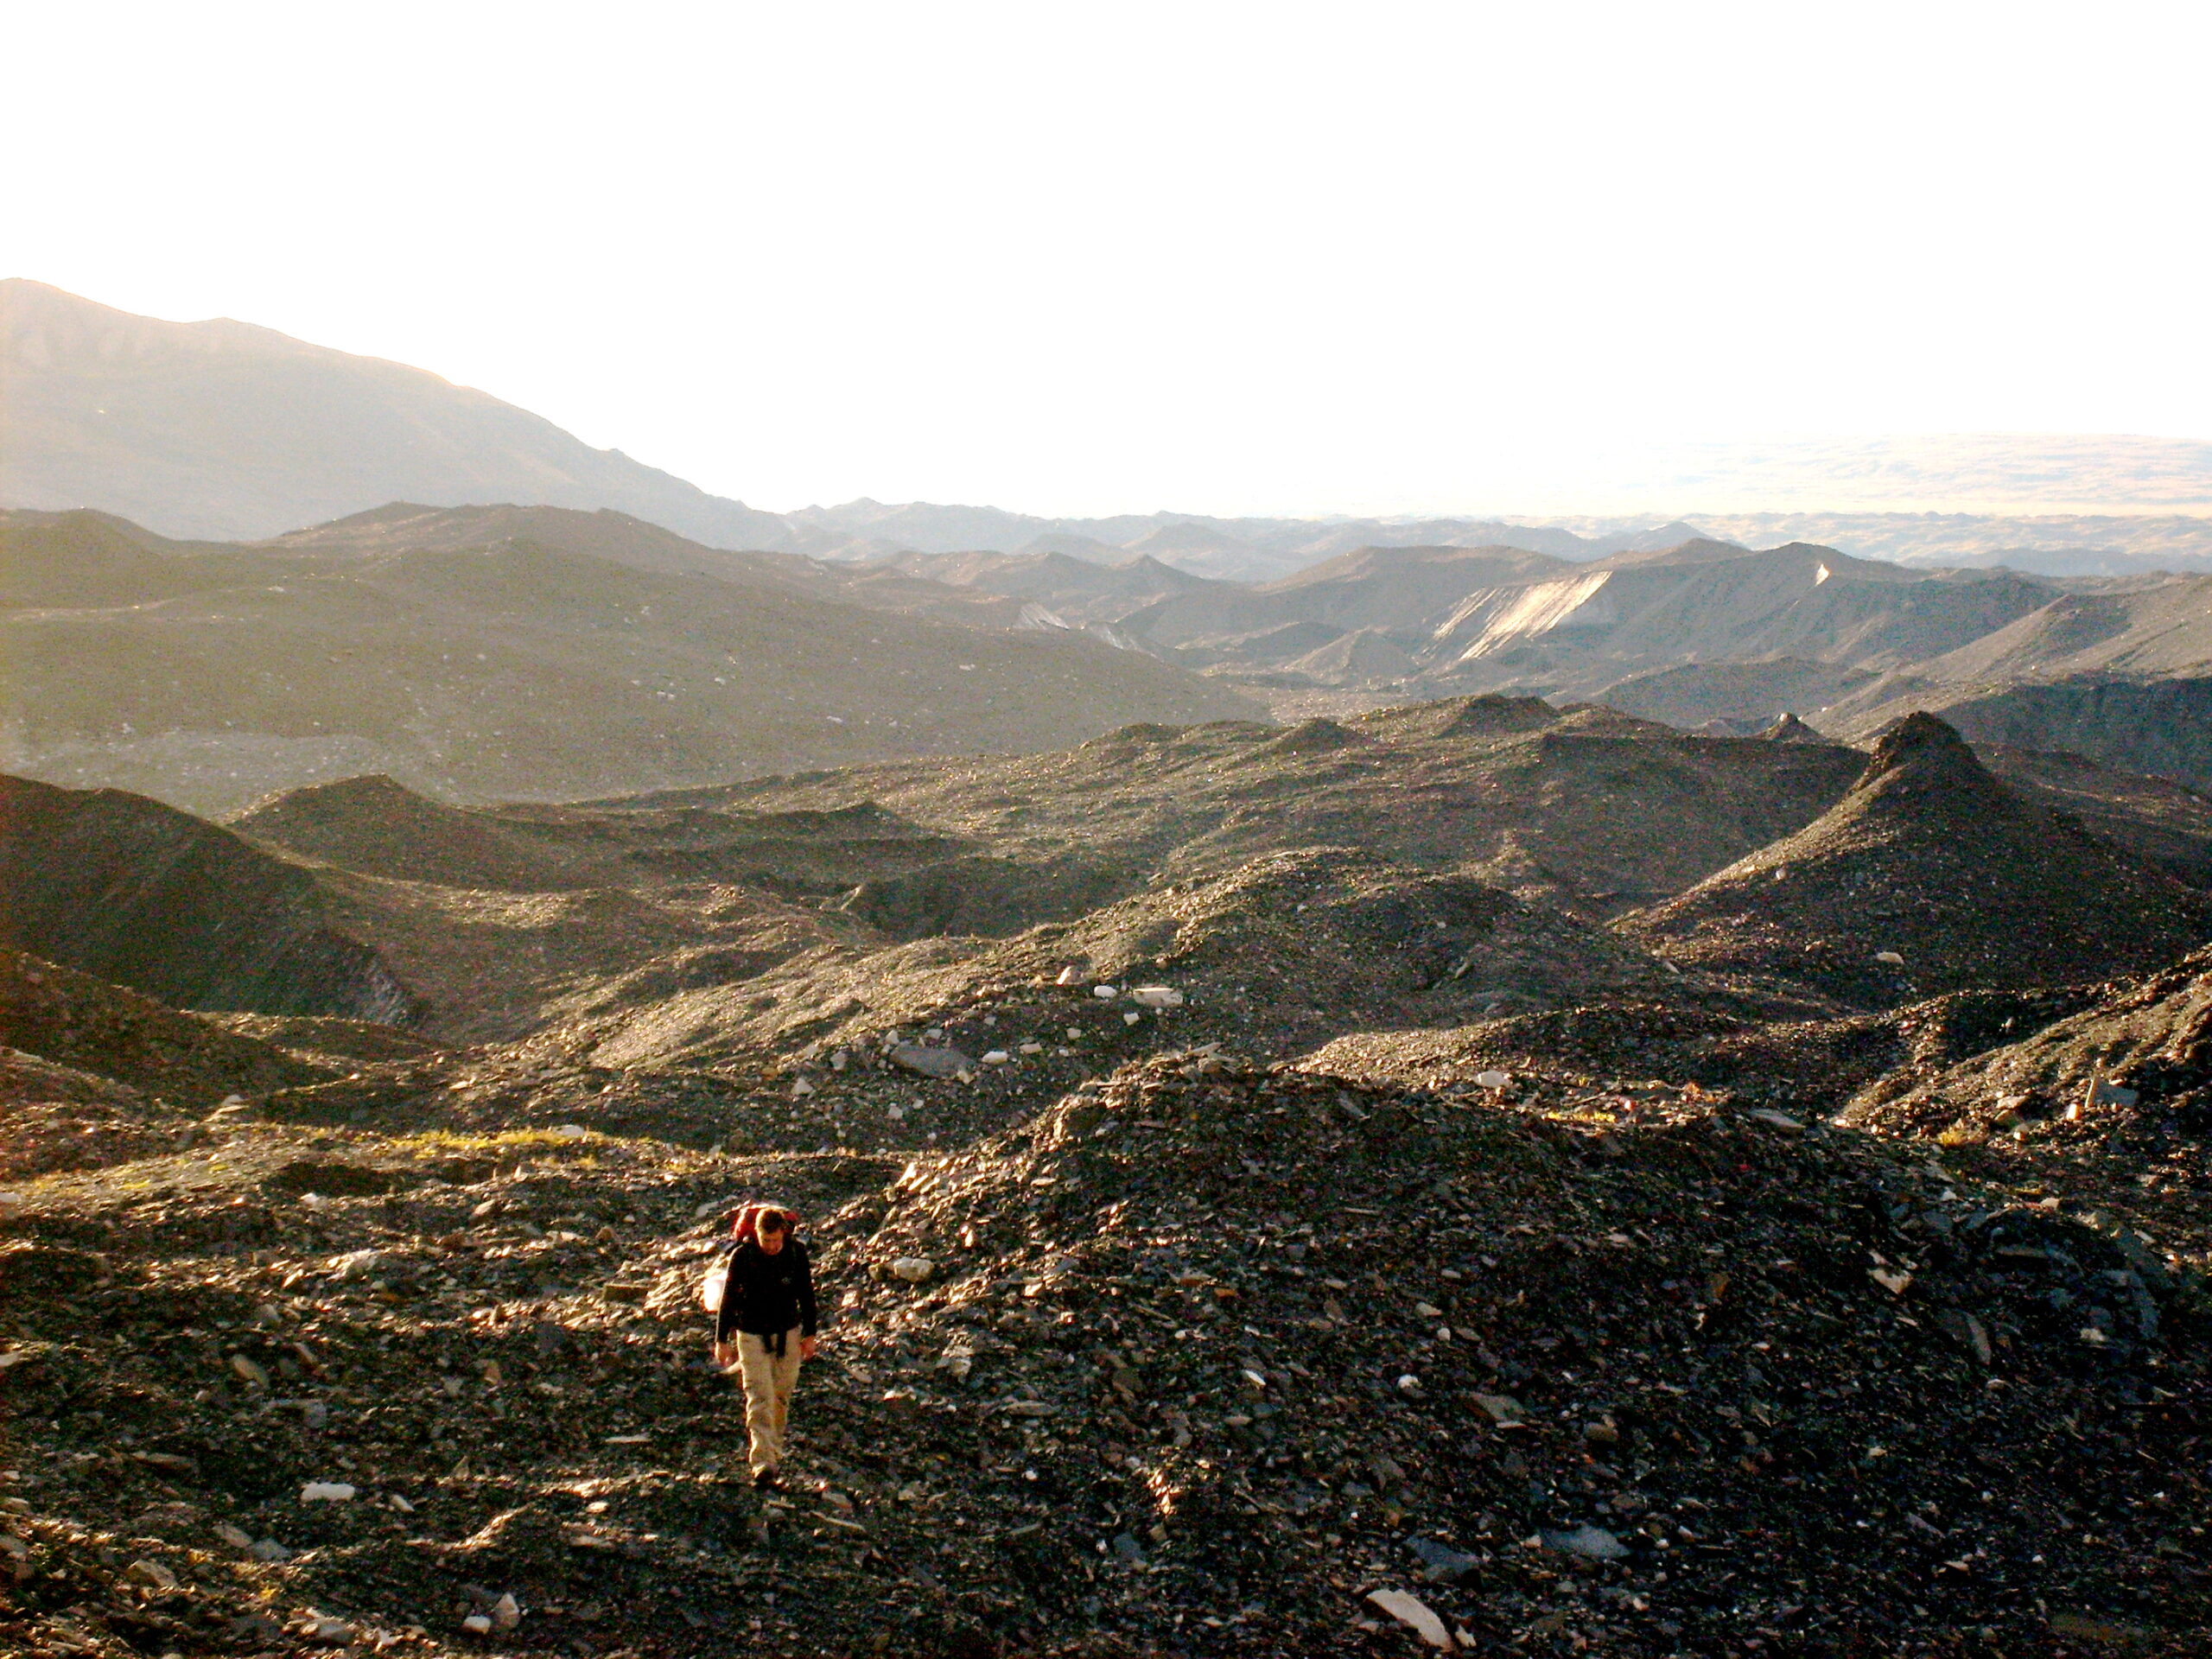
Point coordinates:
[[768, 1383]]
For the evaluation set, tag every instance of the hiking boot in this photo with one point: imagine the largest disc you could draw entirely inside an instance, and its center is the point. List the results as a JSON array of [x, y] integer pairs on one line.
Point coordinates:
[[768, 1481]]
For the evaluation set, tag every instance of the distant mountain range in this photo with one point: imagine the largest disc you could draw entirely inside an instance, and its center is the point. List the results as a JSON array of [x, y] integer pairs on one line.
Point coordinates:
[[222, 430], [479, 653], [485, 654]]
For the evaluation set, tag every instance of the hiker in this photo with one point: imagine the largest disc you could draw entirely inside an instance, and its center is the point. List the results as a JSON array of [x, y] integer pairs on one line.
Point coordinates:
[[766, 1326]]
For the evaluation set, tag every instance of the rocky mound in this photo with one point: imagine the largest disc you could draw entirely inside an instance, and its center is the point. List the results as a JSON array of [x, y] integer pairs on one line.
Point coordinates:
[[334, 1043], [1715, 1037], [56, 1117], [1930, 876], [1790, 730], [1276, 955], [378, 827], [138, 892], [2136, 1061], [1206, 1359], [92, 1027], [2155, 818], [1270, 1342]]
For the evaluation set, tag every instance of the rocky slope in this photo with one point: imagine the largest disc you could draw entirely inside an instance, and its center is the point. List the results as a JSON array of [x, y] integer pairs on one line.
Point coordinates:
[[2137, 1058], [1205, 1358], [2157, 727], [1928, 876], [506, 667], [141, 894], [1392, 1242]]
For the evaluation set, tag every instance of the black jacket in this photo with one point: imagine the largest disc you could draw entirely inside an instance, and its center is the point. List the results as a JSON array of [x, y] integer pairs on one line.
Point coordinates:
[[767, 1294]]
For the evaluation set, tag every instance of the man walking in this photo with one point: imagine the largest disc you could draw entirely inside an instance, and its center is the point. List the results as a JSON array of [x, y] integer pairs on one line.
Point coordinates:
[[765, 1327]]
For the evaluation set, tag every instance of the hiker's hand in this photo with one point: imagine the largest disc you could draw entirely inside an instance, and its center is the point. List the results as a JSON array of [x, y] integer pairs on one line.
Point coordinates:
[[725, 1353], [806, 1347]]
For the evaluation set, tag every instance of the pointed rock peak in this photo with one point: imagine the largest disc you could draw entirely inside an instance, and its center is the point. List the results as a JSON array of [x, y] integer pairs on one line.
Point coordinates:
[[1921, 740], [1921, 760], [1790, 730]]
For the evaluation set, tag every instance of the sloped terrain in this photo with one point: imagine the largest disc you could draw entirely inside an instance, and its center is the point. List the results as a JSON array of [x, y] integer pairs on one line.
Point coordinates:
[[1204, 1355], [1274, 955], [2154, 818], [1930, 876], [2162, 727], [2138, 1059], [1247, 1174], [221, 429], [513, 668], [1753, 694], [101, 1030], [375, 826], [139, 892]]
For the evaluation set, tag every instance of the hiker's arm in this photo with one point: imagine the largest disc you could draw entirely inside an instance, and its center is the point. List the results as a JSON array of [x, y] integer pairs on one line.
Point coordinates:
[[806, 1308], [732, 1294]]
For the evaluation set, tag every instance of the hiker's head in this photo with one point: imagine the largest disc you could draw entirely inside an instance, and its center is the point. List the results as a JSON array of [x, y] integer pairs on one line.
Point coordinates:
[[771, 1229]]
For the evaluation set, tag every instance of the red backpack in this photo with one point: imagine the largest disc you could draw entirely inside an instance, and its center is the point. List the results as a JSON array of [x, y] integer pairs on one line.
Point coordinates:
[[744, 1224], [744, 1229]]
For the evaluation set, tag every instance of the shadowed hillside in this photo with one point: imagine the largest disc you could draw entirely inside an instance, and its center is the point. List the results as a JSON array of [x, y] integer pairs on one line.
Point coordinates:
[[138, 892], [1930, 875]]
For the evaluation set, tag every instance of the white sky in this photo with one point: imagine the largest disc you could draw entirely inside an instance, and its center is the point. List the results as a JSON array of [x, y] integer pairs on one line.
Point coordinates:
[[1276, 257]]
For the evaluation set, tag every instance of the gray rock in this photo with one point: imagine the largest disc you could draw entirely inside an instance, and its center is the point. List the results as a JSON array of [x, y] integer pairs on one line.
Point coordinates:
[[1441, 1563], [1592, 1543], [932, 1062]]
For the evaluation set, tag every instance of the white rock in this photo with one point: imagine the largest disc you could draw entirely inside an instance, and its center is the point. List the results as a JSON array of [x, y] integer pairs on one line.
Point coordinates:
[[269, 1550], [254, 1375], [801, 1088], [10, 1201], [997, 1057], [1427, 1311], [506, 1614], [1890, 956], [1104, 992], [1157, 996], [1069, 975], [327, 1491], [354, 1264], [313, 1201], [1412, 1612], [571, 1131], [477, 1624], [912, 1268], [1493, 1080], [1032, 1048], [1131, 1017], [233, 1536]]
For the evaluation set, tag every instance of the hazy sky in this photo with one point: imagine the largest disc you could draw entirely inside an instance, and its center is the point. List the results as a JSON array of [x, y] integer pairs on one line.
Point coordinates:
[[1216, 258]]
